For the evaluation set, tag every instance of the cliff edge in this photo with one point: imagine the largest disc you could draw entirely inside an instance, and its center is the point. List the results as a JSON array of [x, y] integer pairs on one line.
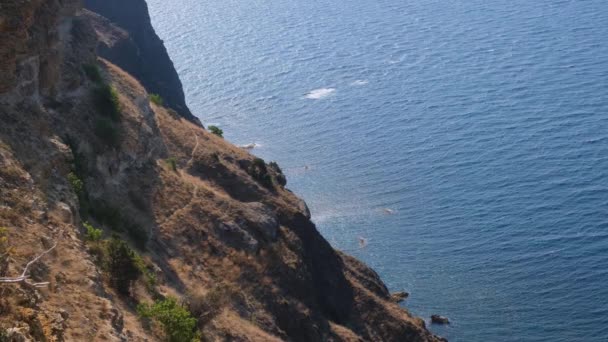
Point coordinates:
[[137, 49], [148, 227]]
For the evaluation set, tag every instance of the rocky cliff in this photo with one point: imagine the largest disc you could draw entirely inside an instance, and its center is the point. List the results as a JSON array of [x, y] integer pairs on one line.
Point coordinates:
[[147, 226], [136, 48]]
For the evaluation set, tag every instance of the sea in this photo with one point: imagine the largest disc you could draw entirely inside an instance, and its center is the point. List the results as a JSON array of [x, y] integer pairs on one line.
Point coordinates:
[[459, 147]]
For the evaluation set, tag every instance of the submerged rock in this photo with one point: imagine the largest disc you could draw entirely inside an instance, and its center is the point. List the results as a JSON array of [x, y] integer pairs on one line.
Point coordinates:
[[438, 319]]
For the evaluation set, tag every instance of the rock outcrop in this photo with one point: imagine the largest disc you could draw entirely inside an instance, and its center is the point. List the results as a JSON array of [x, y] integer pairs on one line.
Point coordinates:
[[238, 251], [438, 319], [128, 40], [36, 39], [399, 297]]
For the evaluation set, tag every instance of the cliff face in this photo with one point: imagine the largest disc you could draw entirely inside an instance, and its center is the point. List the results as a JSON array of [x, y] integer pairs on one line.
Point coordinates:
[[36, 38], [138, 50], [211, 225]]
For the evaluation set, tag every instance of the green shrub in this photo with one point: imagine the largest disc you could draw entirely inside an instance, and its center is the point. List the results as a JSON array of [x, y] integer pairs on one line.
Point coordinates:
[[259, 172], [156, 99], [172, 162], [93, 73], [143, 268], [259, 163], [98, 249], [5, 251], [93, 234], [76, 183], [178, 323], [107, 132], [106, 100], [121, 265], [216, 130], [77, 176]]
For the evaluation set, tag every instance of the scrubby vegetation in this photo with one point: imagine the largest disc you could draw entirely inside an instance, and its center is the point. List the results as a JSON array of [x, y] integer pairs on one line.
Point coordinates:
[[77, 175], [156, 99], [106, 100], [93, 73], [216, 130], [92, 234], [172, 162], [96, 246], [107, 103], [121, 265], [209, 305], [268, 175], [259, 172], [147, 272], [76, 183], [178, 323]]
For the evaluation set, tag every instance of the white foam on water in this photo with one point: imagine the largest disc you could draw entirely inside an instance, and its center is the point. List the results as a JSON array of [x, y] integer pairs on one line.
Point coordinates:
[[320, 93], [250, 146], [359, 83]]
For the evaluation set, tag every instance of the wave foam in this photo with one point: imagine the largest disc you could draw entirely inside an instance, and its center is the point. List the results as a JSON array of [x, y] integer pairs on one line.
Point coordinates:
[[320, 93], [250, 146], [359, 83]]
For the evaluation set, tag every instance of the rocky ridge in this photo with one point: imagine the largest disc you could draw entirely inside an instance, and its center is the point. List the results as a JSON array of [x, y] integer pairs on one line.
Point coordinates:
[[137, 49]]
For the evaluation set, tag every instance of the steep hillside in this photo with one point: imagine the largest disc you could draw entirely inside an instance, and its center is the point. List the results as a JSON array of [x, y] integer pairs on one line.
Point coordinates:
[[136, 205], [138, 49]]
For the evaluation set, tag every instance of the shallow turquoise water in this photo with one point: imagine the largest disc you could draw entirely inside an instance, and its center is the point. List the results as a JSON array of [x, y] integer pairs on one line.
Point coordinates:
[[483, 126]]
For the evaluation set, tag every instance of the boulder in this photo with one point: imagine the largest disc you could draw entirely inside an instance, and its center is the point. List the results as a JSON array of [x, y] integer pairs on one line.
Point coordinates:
[[17, 335], [398, 297], [62, 213], [233, 235], [438, 319]]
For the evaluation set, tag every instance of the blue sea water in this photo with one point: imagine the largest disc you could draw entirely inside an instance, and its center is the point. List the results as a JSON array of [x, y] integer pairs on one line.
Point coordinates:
[[482, 125]]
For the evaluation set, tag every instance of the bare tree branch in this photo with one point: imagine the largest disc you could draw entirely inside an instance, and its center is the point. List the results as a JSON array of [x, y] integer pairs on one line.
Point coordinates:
[[23, 277]]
